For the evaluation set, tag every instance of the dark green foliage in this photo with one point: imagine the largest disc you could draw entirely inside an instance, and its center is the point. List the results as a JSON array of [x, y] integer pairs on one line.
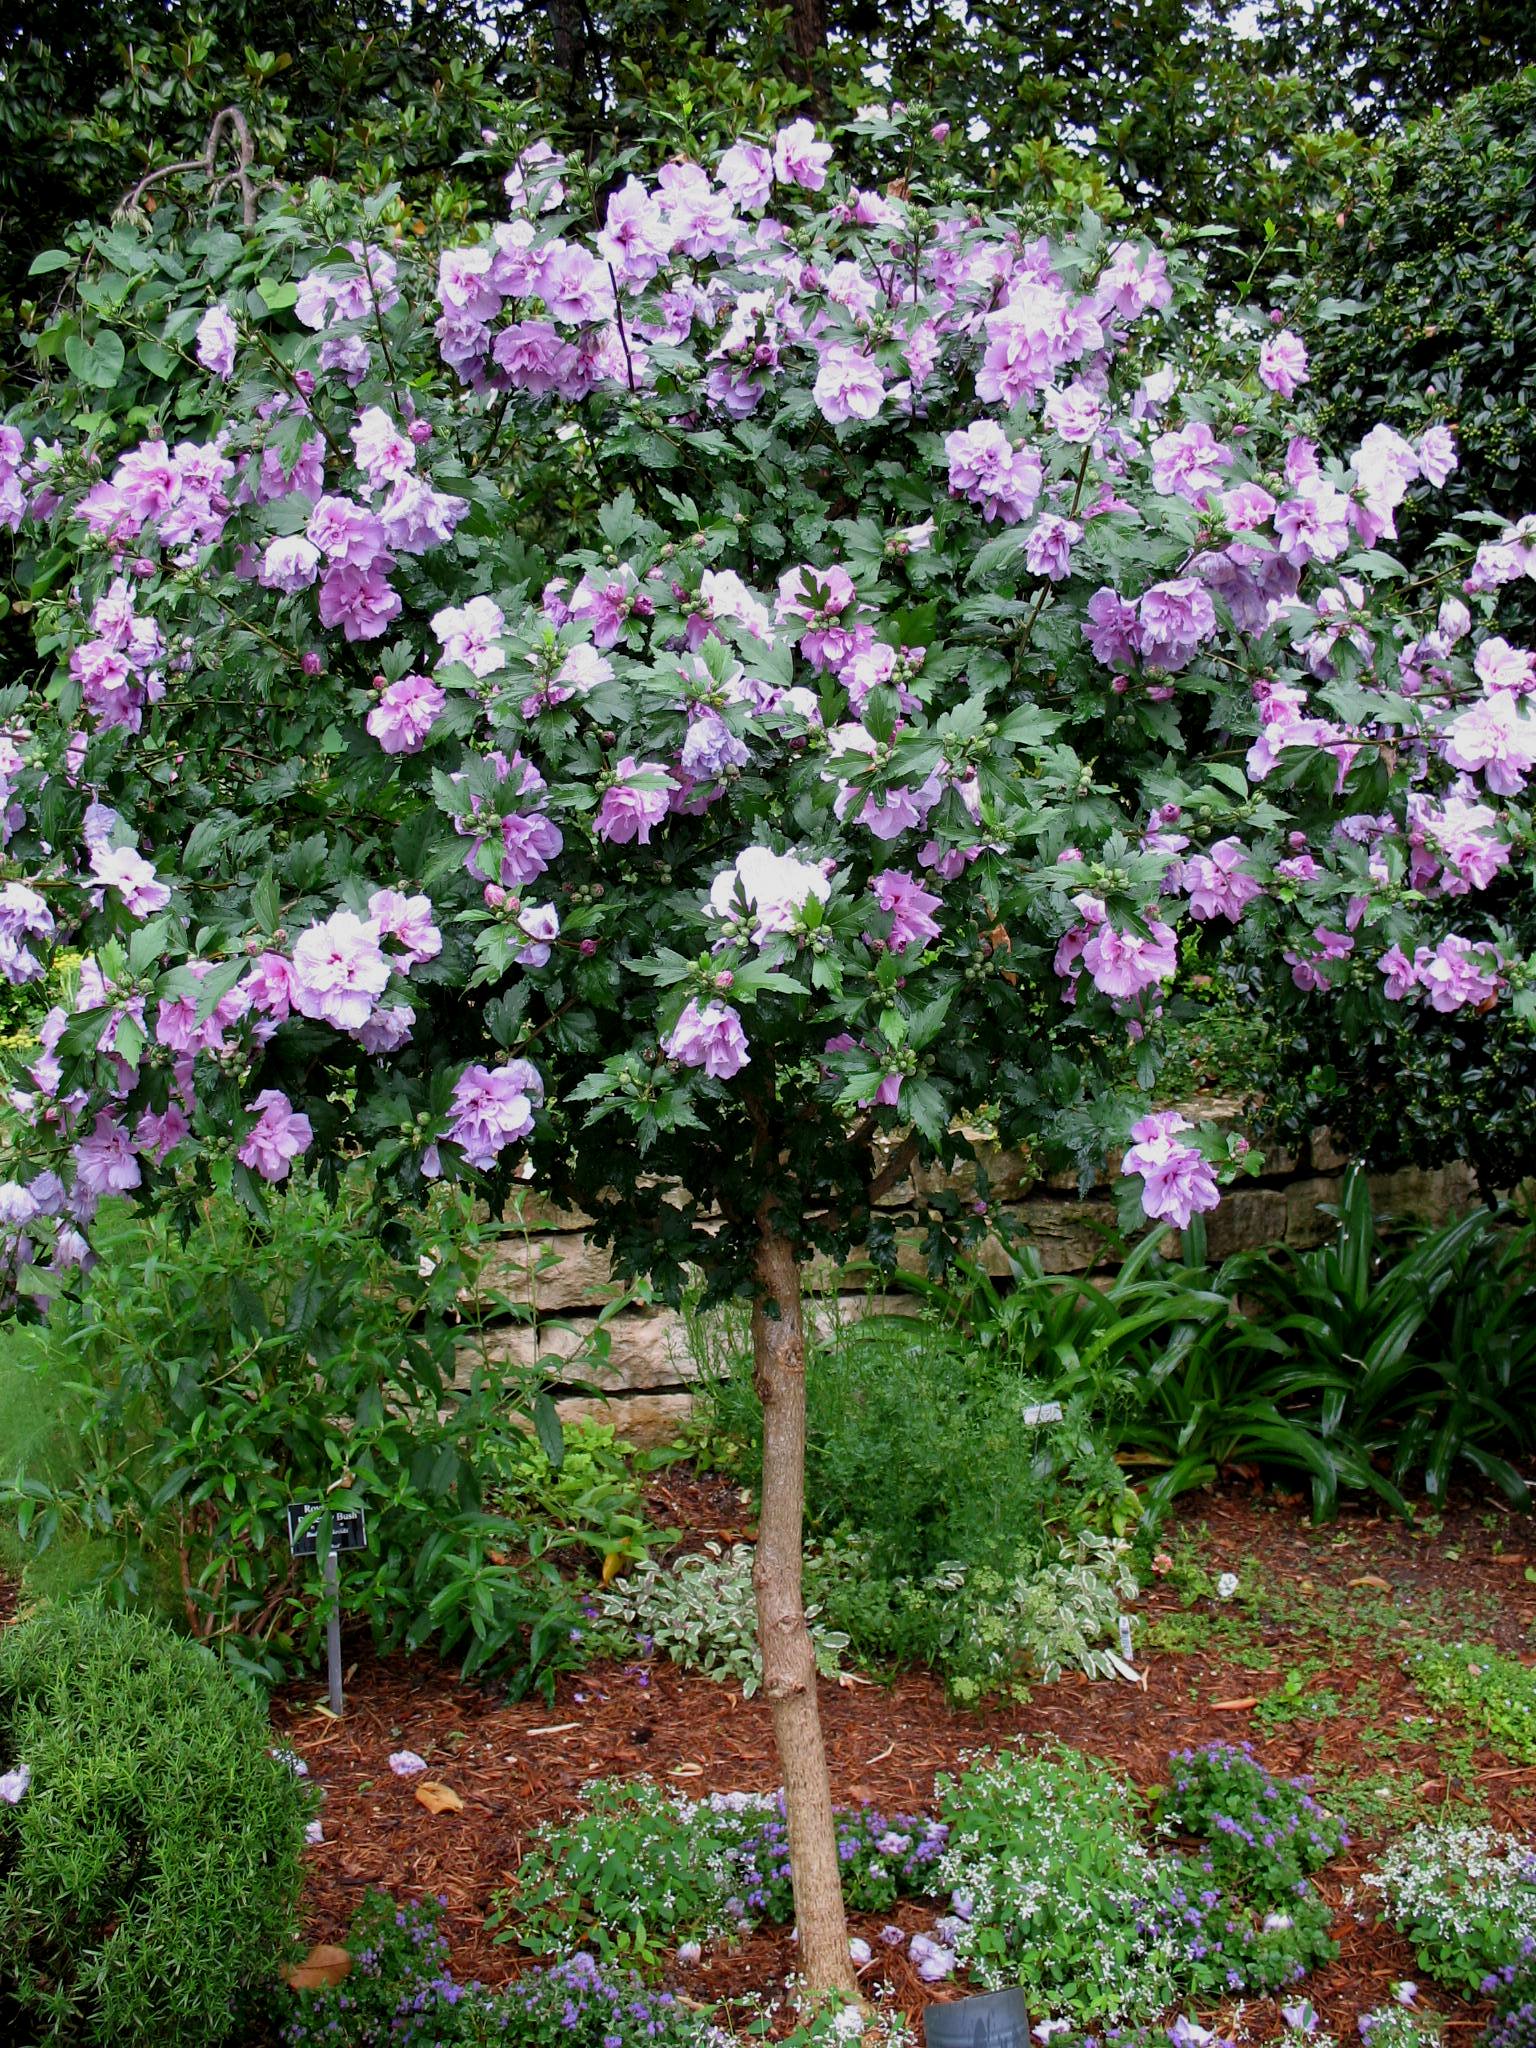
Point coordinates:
[[150, 1872], [924, 1448], [964, 1525], [197, 1384], [1422, 1359], [1383, 1361], [1439, 253], [1418, 1090]]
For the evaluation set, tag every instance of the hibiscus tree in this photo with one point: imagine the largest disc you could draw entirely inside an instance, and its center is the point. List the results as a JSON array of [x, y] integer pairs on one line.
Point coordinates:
[[693, 711]]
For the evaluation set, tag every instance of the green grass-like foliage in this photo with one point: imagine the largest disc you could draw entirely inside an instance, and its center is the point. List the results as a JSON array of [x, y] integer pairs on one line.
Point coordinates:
[[150, 1871], [1493, 1693]]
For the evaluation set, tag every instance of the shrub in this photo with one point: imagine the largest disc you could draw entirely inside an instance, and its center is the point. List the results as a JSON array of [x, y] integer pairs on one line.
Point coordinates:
[[1464, 1896], [218, 1375], [150, 1870], [1435, 266], [984, 1472]]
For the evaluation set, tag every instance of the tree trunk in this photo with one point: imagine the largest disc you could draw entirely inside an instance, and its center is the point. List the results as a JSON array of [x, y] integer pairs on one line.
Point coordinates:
[[789, 1668], [808, 32], [808, 42]]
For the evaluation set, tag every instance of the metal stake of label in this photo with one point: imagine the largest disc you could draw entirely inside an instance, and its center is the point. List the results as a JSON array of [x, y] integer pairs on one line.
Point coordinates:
[[348, 1531], [332, 1582]]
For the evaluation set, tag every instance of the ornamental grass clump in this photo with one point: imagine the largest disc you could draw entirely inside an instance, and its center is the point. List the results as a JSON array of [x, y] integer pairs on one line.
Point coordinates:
[[150, 1844]]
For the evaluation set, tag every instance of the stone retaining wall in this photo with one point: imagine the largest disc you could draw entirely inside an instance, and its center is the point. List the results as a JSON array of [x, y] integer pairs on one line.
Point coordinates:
[[550, 1263]]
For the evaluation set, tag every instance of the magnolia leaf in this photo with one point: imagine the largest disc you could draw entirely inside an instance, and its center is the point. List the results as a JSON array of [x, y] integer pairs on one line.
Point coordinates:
[[322, 1969], [438, 1798]]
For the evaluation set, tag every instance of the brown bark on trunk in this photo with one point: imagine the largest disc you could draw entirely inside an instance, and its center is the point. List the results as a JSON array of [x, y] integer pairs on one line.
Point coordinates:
[[789, 1667], [808, 29]]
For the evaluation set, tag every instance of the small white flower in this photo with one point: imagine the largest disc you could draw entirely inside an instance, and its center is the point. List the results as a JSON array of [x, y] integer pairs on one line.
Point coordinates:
[[1226, 1585], [859, 1949], [293, 1760], [405, 1763], [13, 1785], [314, 1834], [1406, 1992], [689, 1954]]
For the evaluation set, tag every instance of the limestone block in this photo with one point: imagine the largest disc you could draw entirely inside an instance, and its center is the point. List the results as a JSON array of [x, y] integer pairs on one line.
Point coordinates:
[[1246, 1219], [1305, 1224], [1071, 1237], [1431, 1195], [1324, 1154], [551, 1270], [641, 1419], [646, 1348], [539, 1212]]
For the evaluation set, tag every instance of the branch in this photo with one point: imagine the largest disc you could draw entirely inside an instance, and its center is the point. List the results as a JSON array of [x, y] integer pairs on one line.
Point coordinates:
[[228, 118], [894, 1168]]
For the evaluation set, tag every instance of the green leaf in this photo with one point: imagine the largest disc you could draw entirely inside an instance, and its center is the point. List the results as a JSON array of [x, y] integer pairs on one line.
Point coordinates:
[[49, 259], [546, 1423], [97, 362]]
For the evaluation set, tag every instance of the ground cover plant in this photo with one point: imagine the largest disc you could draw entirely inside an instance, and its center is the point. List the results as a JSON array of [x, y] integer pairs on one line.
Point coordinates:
[[1056, 1887], [639, 1869], [700, 1611], [783, 650], [1465, 1896], [150, 1843], [1494, 1693], [400, 1989]]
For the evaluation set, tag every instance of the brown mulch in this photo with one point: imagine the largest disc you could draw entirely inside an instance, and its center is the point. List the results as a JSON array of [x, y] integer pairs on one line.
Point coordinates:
[[516, 1765]]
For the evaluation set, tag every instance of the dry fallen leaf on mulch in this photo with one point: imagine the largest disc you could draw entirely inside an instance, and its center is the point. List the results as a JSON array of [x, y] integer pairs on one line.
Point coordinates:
[[1235, 1706], [321, 1970], [438, 1798]]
